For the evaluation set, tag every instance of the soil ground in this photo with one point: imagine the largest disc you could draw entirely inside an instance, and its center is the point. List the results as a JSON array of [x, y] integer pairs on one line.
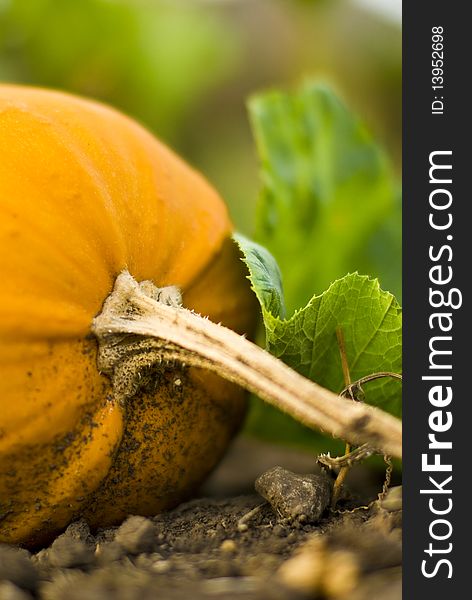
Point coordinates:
[[227, 544]]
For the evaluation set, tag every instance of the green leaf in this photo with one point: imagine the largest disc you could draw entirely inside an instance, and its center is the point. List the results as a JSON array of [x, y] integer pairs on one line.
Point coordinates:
[[329, 203], [370, 320], [264, 275]]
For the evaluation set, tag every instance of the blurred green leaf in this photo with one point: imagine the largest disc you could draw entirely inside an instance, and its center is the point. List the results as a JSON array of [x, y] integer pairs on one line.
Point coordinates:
[[329, 203]]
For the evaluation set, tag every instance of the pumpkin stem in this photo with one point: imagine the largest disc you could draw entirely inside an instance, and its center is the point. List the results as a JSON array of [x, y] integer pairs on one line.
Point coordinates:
[[141, 325]]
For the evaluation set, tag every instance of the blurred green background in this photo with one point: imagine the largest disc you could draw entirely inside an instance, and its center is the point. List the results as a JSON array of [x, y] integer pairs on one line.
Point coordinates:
[[185, 68]]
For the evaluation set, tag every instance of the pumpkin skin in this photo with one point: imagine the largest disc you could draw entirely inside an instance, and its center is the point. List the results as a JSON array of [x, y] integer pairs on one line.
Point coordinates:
[[85, 192]]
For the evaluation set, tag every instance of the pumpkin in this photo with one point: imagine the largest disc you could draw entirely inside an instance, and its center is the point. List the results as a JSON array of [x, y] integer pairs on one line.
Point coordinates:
[[86, 192]]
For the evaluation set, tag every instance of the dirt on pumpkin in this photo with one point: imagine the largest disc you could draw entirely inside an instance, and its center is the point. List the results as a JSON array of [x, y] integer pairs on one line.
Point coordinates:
[[229, 543]]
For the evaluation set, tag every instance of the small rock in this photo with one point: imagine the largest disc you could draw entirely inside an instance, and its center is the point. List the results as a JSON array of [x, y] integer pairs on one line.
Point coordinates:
[[228, 546], [136, 534], [393, 500], [79, 530], [304, 571], [316, 568], [67, 551], [9, 591], [299, 498], [341, 574], [16, 567]]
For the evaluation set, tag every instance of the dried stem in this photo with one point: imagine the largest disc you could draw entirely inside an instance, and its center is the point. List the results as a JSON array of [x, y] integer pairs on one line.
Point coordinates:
[[347, 382], [174, 333], [347, 460], [353, 388]]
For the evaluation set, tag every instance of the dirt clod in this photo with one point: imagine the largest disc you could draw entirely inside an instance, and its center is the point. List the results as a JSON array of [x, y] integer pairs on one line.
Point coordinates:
[[16, 567], [67, 552], [295, 498], [137, 534], [9, 591]]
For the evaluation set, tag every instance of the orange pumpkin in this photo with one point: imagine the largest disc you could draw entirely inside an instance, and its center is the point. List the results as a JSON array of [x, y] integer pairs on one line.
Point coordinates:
[[85, 192]]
